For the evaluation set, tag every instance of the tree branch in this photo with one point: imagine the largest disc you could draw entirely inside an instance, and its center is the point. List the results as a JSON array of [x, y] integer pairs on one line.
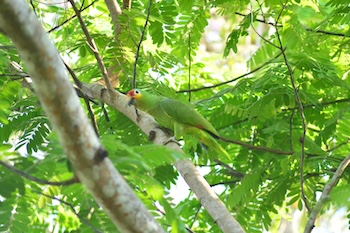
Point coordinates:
[[32, 4], [140, 43], [306, 28], [114, 10], [70, 18], [234, 79], [301, 112], [84, 221], [93, 46], [196, 215], [62, 106], [126, 4], [231, 171], [86, 99], [325, 194], [339, 145], [256, 32], [320, 104], [210, 201], [231, 182], [81, 145], [73, 180], [252, 147], [189, 66]]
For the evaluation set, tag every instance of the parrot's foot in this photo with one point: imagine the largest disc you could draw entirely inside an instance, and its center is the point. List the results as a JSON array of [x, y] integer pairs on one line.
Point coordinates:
[[172, 139], [167, 131], [103, 90], [152, 135]]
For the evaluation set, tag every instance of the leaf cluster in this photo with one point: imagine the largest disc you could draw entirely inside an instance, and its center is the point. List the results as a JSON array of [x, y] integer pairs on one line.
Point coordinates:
[[260, 109]]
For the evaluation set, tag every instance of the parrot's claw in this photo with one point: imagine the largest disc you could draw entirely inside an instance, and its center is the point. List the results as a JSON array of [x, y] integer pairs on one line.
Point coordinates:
[[172, 139]]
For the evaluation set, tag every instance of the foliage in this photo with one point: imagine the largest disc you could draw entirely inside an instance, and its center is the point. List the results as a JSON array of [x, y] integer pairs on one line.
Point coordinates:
[[260, 109]]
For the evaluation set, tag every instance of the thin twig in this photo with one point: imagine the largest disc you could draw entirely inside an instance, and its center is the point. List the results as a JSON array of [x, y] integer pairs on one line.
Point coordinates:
[[252, 147], [306, 28], [19, 76], [260, 20], [34, 9], [73, 180], [7, 47], [280, 14], [80, 93], [84, 221], [140, 43], [189, 67], [325, 103], [121, 66], [231, 171], [291, 130], [261, 9], [70, 18], [230, 182], [234, 79], [93, 47], [163, 213], [195, 216], [325, 194], [263, 38], [301, 112], [339, 145], [85, 97], [71, 72]]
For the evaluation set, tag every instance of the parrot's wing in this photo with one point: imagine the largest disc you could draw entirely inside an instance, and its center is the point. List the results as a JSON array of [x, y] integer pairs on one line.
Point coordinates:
[[185, 114]]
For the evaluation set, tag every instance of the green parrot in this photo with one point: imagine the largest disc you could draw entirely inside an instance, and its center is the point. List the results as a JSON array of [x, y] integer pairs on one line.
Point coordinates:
[[178, 117]]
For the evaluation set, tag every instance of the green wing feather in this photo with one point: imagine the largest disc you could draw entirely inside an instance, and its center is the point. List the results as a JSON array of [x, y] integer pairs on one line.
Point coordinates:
[[185, 114]]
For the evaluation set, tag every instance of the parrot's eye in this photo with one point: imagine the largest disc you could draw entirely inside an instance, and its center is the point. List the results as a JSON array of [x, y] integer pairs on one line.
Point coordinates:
[[137, 92]]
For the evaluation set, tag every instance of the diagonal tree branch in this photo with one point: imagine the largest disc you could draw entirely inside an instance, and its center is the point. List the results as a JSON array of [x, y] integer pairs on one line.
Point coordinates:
[[325, 194], [210, 201], [62, 106]]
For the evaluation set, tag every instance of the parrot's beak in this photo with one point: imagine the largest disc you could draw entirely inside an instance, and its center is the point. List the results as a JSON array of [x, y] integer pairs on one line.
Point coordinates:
[[131, 101]]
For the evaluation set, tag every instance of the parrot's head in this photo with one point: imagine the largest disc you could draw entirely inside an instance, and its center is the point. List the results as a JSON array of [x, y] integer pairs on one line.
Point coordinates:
[[134, 95]]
